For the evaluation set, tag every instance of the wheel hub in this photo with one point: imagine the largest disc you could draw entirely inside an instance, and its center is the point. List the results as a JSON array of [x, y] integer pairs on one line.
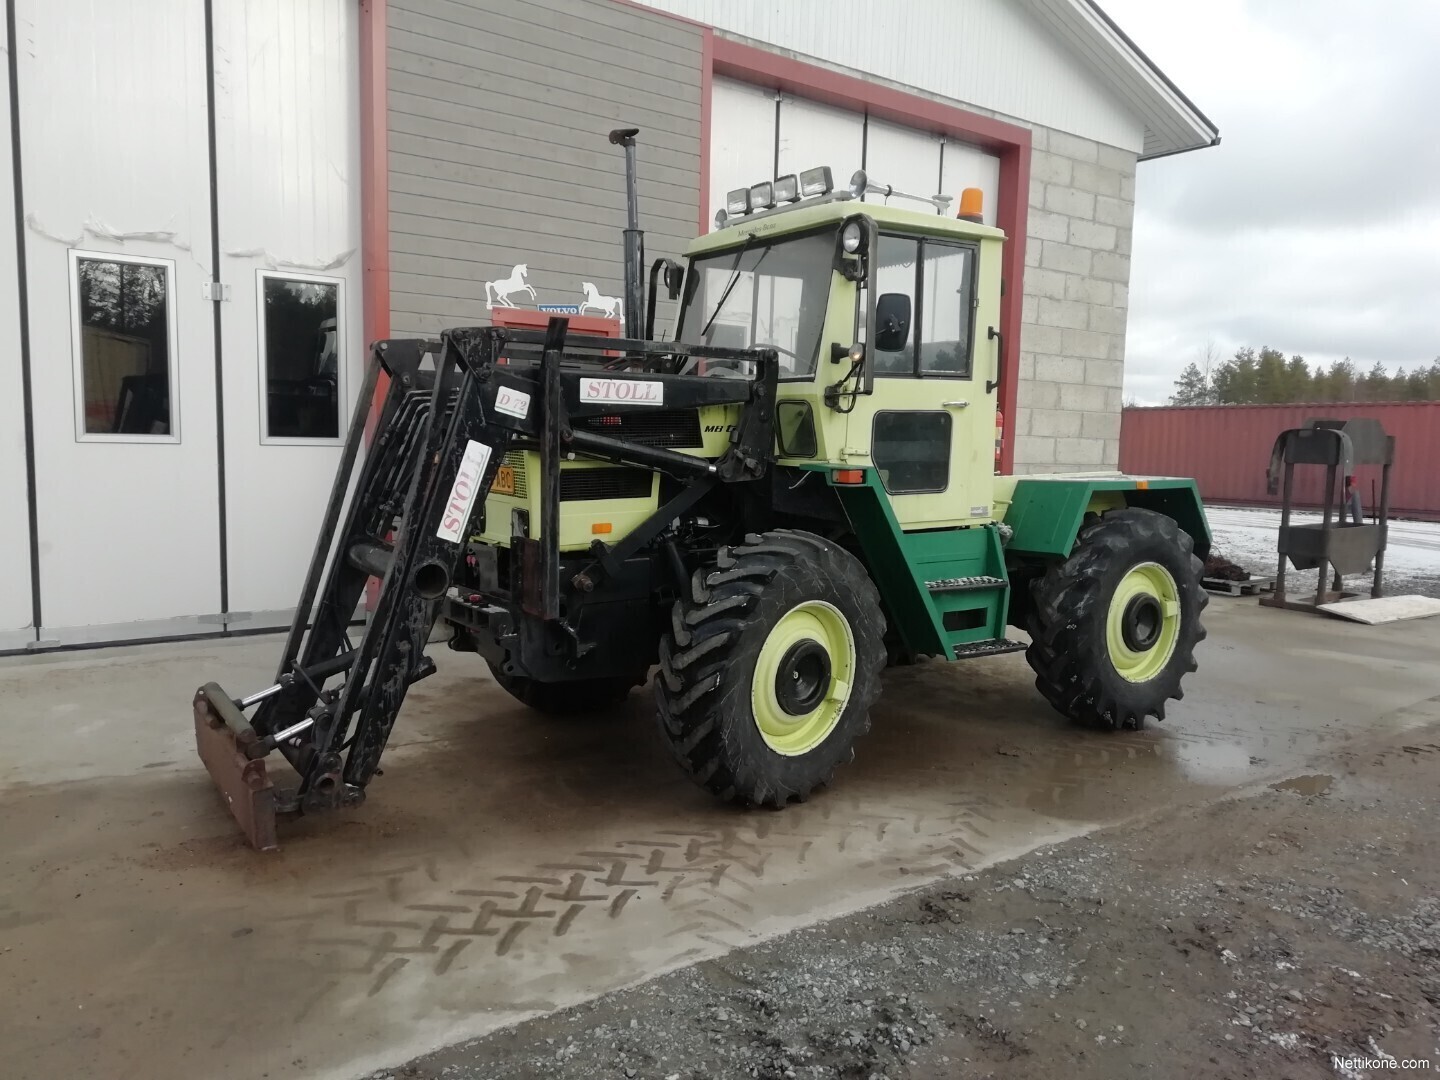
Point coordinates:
[[803, 678], [1141, 622], [1142, 627]]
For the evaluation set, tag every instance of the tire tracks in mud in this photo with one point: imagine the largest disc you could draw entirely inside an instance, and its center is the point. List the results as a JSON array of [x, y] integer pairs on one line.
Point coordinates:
[[434, 914]]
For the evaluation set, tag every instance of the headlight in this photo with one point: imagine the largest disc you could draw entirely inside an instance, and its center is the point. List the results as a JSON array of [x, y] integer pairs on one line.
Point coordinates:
[[738, 201], [787, 188], [852, 237], [762, 196]]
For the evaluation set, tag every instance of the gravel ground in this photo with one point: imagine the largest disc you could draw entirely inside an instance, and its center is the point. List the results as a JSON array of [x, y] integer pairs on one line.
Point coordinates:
[[1293, 931], [1247, 536]]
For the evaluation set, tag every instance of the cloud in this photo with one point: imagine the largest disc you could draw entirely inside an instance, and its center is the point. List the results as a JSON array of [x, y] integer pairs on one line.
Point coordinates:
[[1315, 226]]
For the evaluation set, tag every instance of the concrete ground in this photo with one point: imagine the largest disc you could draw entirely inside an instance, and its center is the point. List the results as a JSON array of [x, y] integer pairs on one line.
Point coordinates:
[[506, 864]]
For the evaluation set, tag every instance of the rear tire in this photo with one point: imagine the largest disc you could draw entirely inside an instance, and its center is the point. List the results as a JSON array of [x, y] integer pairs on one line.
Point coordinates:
[[573, 698], [1114, 627], [770, 668]]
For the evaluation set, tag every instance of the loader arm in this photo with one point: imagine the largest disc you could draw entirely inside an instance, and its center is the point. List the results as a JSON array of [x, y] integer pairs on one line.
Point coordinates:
[[401, 512]]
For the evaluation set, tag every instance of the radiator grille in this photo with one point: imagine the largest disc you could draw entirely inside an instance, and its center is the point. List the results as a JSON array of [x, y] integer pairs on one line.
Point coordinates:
[[671, 428], [617, 483]]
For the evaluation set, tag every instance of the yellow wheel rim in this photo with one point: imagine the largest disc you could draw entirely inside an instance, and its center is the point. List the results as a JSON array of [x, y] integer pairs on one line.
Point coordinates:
[[1143, 623], [803, 677]]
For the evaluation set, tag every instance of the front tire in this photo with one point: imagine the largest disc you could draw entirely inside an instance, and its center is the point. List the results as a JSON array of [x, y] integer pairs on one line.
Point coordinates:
[[770, 667], [1114, 627]]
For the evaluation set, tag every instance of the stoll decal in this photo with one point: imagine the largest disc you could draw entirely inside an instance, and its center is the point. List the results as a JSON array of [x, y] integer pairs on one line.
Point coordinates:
[[512, 402], [621, 392], [463, 491]]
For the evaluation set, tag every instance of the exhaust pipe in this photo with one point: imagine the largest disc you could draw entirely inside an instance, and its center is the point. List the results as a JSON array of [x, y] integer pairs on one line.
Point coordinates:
[[634, 238]]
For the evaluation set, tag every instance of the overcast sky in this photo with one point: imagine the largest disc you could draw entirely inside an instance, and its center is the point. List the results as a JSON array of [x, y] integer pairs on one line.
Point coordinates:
[[1314, 227]]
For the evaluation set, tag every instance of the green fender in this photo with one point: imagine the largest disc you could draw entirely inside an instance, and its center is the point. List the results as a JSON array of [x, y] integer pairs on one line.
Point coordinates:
[[1046, 512]]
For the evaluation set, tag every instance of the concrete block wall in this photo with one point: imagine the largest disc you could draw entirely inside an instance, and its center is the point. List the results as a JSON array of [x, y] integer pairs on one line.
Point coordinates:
[[1077, 288]]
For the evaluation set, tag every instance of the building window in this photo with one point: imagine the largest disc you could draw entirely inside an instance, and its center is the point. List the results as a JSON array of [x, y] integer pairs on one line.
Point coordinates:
[[124, 347], [911, 450], [301, 356]]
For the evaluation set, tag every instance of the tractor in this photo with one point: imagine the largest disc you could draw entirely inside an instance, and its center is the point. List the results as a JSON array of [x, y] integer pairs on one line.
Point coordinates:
[[757, 517]]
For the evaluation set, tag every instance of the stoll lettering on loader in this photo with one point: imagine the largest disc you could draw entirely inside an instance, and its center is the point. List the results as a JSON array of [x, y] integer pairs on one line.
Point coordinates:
[[794, 493]]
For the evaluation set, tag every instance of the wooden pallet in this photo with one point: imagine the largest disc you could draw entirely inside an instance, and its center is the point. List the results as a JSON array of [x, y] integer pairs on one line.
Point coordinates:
[[1254, 587]]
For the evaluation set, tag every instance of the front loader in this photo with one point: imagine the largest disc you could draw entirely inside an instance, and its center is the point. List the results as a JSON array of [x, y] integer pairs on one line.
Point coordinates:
[[767, 511]]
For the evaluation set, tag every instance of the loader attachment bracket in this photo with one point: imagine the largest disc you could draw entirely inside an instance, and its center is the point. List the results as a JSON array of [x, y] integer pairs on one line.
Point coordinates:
[[244, 783]]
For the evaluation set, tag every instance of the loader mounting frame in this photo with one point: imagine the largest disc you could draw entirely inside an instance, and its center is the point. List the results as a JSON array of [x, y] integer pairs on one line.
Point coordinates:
[[402, 512]]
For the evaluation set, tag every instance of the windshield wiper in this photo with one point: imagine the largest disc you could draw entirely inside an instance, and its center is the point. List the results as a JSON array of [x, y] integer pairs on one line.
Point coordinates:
[[730, 285]]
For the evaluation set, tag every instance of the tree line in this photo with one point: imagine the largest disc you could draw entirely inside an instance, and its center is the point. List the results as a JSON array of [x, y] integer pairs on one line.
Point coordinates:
[[1267, 377]]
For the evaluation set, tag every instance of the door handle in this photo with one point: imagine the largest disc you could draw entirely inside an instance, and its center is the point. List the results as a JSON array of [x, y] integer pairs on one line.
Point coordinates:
[[955, 404]]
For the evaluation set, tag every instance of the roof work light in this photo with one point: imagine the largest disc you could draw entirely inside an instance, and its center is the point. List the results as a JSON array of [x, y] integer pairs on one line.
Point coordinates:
[[816, 182]]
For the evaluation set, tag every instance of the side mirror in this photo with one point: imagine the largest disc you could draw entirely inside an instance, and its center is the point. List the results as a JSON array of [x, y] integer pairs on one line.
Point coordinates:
[[674, 278], [892, 322]]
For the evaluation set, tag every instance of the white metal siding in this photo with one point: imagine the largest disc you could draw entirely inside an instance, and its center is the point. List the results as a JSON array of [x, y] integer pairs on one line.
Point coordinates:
[[993, 54], [743, 148], [114, 148], [288, 142], [15, 538]]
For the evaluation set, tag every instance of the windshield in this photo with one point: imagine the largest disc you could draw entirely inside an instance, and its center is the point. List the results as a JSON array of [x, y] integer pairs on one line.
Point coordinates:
[[761, 295]]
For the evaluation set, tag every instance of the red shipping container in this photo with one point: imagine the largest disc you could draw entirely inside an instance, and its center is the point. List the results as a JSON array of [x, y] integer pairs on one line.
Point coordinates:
[[1226, 448]]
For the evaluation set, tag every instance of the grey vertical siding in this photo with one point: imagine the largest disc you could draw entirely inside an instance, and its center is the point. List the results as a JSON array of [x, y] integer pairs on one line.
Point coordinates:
[[498, 117]]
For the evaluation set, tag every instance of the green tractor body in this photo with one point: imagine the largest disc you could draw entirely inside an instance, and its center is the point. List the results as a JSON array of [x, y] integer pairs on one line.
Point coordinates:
[[796, 492]]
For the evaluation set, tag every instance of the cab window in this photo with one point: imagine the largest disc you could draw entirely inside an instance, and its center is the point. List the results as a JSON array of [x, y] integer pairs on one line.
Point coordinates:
[[938, 277]]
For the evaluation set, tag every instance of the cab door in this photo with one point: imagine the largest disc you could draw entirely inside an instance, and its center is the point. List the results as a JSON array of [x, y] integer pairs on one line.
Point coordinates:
[[930, 418]]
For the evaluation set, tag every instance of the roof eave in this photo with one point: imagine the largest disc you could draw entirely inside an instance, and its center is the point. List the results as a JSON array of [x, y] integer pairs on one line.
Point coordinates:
[[1173, 123]]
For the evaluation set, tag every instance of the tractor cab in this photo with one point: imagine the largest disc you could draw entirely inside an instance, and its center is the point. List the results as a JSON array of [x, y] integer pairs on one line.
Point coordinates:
[[885, 319]]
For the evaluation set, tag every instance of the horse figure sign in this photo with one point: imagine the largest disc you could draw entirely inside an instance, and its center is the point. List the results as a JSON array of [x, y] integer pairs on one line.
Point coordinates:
[[611, 306], [499, 291]]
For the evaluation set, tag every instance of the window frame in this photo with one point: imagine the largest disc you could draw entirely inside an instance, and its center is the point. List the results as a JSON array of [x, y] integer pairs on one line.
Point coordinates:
[[342, 378], [949, 458], [77, 347], [917, 315], [692, 284]]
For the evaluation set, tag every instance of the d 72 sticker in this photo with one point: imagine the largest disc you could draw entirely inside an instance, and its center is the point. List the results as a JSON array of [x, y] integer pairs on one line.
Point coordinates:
[[512, 402]]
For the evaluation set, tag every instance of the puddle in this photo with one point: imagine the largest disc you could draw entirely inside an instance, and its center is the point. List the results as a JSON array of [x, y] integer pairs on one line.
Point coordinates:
[[1314, 784], [1212, 761]]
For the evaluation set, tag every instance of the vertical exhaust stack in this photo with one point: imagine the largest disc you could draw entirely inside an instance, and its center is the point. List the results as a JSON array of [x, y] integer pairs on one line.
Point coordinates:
[[634, 237]]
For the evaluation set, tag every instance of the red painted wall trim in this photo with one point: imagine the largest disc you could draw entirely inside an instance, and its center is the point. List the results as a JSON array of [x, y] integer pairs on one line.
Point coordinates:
[[1010, 141], [374, 203], [374, 180]]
